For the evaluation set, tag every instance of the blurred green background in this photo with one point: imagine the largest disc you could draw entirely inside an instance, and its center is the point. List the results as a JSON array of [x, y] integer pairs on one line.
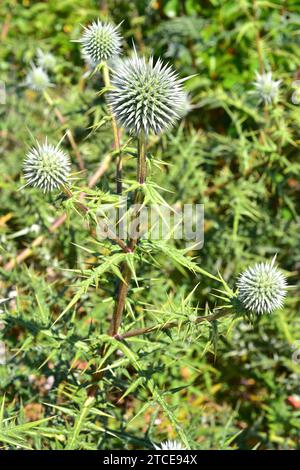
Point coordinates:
[[228, 385]]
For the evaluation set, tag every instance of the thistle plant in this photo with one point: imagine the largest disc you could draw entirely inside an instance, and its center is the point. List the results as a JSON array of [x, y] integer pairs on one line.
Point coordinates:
[[266, 88], [100, 42], [37, 79], [262, 288], [47, 167], [115, 330], [147, 96]]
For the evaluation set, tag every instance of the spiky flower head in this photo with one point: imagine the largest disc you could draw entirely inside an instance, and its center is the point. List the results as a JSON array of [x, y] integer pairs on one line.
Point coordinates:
[[100, 41], [37, 79], [46, 167], [266, 89], [170, 445], [146, 97], [262, 288], [46, 60]]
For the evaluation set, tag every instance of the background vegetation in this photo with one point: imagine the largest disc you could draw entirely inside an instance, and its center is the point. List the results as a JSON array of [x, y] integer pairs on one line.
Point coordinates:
[[228, 384]]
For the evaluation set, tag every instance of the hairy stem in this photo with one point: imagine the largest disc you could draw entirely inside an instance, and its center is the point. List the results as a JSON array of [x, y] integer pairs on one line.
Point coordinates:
[[126, 271], [117, 147]]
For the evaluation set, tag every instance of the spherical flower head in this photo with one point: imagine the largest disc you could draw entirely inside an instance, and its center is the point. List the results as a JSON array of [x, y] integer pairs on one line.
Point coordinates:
[[170, 445], [46, 167], [146, 97], [100, 42], [266, 88], [262, 288], [37, 79], [46, 60]]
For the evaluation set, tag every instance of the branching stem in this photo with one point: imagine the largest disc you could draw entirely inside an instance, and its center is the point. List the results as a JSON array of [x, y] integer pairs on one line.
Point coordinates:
[[169, 325], [126, 271], [144, 331]]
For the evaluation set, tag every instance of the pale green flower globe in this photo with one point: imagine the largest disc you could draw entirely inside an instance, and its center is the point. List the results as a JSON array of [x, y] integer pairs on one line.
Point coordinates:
[[170, 445], [262, 288], [46, 167], [37, 79], [100, 42], [266, 89], [146, 97]]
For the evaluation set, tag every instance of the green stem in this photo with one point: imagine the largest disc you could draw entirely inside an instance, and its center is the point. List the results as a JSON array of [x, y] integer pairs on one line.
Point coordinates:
[[126, 271], [142, 165], [117, 147]]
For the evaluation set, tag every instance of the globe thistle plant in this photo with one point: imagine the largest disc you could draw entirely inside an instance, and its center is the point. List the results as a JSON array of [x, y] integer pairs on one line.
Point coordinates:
[[37, 79], [100, 42], [46, 167], [266, 88], [46, 60], [262, 288], [147, 97], [170, 445]]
